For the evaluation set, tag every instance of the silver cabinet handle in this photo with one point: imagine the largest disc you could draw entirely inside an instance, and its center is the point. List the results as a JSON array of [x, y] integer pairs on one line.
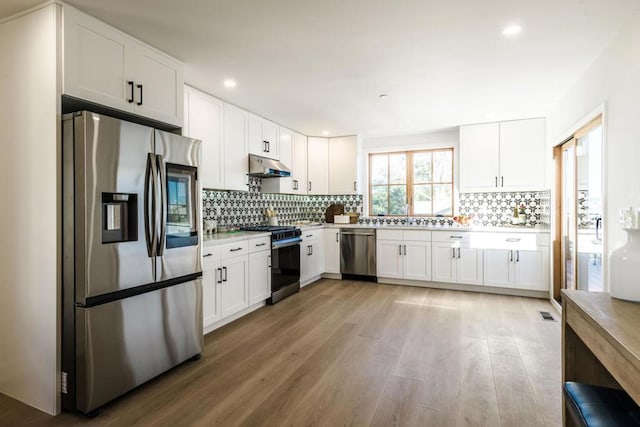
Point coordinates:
[[224, 269], [405, 249], [206, 255], [260, 244], [219, 270]]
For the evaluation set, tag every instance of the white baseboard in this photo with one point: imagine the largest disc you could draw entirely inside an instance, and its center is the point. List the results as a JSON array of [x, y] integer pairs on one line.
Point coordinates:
[[220, 323], [467, 288]]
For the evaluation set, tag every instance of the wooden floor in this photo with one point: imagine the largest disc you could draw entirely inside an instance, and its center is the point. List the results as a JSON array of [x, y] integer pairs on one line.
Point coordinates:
[[355, 353]]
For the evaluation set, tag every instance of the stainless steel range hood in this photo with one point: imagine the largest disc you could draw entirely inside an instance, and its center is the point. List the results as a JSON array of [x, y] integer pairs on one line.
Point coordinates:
[[265, 167]]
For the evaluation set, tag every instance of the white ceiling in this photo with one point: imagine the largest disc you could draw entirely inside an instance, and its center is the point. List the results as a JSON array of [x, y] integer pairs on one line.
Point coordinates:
[[320, 65]]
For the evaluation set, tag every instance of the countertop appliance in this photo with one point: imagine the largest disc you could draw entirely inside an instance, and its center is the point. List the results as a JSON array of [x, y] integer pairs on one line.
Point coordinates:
[[358, 251], [264, 167], [285, 260], [132, 291]]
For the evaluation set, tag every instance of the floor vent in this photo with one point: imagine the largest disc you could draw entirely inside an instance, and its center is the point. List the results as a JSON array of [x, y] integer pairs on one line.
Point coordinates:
[[546, 316]]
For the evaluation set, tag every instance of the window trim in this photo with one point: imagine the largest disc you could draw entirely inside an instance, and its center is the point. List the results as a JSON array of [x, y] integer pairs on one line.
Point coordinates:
[[409, 179]]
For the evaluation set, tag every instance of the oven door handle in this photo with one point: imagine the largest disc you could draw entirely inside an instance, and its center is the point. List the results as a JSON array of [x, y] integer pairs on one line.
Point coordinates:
[[286, 243]]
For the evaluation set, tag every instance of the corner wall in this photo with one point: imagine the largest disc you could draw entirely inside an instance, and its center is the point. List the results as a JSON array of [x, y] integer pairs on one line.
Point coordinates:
[[29, 218], [613, 81]]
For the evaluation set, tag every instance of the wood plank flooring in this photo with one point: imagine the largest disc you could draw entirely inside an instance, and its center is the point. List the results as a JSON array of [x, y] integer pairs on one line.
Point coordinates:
[[356, 353]]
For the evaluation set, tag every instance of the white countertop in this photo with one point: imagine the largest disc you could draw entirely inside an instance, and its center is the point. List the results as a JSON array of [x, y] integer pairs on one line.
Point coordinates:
[[507, 229], [218, 238]]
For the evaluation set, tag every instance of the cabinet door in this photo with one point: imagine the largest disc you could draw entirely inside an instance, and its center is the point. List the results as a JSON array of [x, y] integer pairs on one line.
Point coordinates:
[[256, 141], [443, 265], [389, 259], [417, 260], [317, 256], [210, 288], [317, 165], [203, 120], [98, 61], [299, 166], [259, 276], [159, 86], [522, 159], [531, 269], [270, 134], [282, 185], [498, 267], [306, 262], [343, 165], [332, 250], [233, 289], [479, 157], [236, 164], [469, 268]]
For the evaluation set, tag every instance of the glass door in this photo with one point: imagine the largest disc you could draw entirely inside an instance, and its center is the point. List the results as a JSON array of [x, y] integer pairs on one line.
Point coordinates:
[[589, 209], [568, 215], [580, 181]]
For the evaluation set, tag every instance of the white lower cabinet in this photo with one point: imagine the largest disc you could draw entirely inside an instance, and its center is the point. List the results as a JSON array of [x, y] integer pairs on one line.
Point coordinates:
[[259, 270], [332, 250], [457, 263], [210, 289], [517, 268], [234, 295], [404, 254], [311, 256]]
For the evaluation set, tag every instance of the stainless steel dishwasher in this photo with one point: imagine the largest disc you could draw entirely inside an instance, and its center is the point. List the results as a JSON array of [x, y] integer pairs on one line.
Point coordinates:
[[358, 251]]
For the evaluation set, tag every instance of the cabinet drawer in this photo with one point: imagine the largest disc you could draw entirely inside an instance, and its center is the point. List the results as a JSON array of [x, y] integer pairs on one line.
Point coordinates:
[[310, 234], [234, 249], [259, 244], [210, 256], [389, 235], [416, 236], [450, 236]]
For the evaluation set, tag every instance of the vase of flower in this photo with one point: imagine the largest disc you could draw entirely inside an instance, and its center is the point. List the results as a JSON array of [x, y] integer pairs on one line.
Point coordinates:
[[624, 265]]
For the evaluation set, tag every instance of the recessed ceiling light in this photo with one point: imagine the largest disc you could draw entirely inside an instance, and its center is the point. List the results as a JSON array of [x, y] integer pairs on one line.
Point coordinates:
[[511, 30], [230, 83], [325, 132]]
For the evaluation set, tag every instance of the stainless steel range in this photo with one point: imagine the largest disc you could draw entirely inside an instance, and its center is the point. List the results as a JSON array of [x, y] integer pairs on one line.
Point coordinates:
[[285, 260]]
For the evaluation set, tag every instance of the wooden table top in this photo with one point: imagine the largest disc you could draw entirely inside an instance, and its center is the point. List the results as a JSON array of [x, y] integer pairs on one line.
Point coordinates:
[[617, 321]]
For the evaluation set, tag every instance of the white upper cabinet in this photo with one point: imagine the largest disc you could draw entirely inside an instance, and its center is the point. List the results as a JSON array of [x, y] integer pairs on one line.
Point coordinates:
[[285, 147], [343, 160], [263, 137], [203, 120], [522, 145], [236, 162], [299, 164], [107, 67], [317, 165], [479, 157], [506, 156]]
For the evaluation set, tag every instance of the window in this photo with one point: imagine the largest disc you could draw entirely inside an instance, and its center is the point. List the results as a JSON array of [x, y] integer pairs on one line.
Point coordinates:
[[417, 183]]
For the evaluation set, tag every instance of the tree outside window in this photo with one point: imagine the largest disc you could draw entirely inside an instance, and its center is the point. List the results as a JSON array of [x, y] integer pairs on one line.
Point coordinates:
[[415, 183]]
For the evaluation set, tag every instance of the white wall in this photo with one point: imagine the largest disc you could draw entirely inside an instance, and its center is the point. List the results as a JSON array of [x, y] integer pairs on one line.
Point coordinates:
[[612, 81], [424, 141], [29, 274]]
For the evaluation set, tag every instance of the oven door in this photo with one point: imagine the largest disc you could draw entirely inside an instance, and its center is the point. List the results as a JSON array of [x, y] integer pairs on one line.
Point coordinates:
[[285, 263]]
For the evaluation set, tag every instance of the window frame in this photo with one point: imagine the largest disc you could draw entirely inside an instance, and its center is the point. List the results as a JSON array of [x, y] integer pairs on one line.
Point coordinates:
[[409, 180]]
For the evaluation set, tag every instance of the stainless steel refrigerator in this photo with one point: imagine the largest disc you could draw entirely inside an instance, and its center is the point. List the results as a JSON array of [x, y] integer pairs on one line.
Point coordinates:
[[132, 292]]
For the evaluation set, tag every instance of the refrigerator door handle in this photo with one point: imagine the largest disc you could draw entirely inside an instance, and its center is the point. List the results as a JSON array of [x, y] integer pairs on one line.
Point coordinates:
[[150, 179], [162, 223]]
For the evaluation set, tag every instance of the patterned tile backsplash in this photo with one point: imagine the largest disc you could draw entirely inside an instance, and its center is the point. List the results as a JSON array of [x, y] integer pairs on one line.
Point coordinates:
[[240, 208]]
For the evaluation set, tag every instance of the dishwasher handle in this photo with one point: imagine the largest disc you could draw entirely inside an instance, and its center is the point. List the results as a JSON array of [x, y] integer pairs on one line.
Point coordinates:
[[348, 233]]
